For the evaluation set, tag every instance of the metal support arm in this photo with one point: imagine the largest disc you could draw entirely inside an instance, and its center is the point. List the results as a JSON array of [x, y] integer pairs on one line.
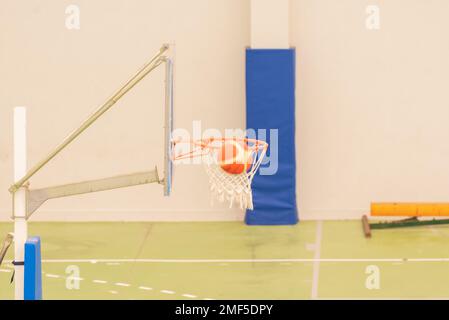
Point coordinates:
[[5, 246], [36, 197], [156, 61]]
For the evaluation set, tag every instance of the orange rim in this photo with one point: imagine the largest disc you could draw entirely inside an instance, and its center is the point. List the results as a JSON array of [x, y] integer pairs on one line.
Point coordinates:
[[203, 146]]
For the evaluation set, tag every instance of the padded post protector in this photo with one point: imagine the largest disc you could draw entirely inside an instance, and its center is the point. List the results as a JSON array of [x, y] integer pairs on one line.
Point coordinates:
[[33, 270], [270, 104]]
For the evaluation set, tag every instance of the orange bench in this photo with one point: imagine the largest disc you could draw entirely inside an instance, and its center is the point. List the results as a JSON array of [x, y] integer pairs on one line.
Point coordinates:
[[412, 210]]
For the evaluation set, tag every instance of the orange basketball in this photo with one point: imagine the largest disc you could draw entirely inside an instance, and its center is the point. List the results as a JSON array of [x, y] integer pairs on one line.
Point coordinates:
[[235, 157]]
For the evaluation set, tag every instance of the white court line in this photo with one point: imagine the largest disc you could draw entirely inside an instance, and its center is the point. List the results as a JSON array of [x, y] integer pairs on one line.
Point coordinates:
[[316, 263], [248, 260], [121, 284], [167, 292], [99, 281], [385, 298], [5, 270], [145, 288]]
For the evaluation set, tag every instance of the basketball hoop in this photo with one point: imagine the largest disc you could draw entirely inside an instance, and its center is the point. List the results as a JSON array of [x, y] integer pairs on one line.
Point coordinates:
[[225, 186]]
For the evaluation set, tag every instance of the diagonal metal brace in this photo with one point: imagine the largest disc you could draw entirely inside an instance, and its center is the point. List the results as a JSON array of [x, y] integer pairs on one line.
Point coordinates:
[[156, 61], [36, 197], [5, 246]]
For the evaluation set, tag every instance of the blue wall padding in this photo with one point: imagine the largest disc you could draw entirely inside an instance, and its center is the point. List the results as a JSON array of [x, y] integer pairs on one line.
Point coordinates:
[[33, 270], [270, 104]]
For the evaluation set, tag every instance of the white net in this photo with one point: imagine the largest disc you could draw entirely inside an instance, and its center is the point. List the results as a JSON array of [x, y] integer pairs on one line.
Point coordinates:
[[233, 188]]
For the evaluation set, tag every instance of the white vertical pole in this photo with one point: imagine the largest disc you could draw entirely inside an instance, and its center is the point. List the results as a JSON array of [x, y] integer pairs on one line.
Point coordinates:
[[19, 210], [168, 126]]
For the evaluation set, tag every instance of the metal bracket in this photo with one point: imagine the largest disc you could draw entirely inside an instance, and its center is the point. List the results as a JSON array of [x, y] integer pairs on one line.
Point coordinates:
[[5, 246], [35, 198]]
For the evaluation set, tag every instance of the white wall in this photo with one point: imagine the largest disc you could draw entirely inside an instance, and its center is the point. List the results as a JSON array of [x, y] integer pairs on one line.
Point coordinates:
[[270, 24], [372, 106], [64, 75]]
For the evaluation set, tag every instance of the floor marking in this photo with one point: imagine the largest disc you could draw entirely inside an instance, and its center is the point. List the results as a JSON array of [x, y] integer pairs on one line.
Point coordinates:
[[4, 270], [386, 298], [167, 291], [121, 284], [208, 299], [99, 281], [316, 263], [75, 278], [250, 260], [145, 288]]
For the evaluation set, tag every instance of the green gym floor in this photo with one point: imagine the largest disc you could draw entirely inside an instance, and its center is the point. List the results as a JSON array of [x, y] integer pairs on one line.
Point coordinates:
[[228, 260]]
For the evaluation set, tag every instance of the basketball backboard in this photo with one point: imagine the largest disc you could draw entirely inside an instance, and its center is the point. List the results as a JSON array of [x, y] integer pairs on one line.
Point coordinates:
[[168, 127]]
